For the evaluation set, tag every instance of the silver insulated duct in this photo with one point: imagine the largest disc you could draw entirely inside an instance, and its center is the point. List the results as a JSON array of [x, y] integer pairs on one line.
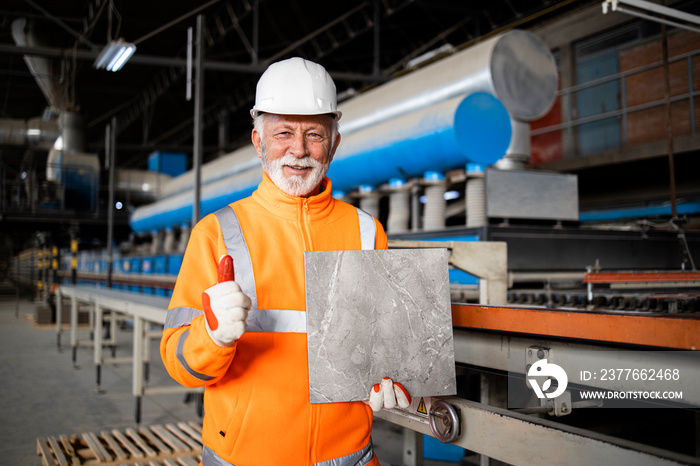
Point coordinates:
[[41, 68]]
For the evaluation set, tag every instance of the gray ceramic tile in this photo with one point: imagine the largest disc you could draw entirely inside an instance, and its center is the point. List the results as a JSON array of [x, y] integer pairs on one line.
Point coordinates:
[[375, 314]]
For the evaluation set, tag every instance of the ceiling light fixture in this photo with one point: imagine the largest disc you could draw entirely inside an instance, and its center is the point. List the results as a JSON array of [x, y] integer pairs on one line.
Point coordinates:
[[114, 55], [654, 12]]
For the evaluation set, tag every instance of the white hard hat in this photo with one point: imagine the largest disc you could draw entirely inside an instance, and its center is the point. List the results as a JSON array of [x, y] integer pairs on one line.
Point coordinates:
[[296, 87]]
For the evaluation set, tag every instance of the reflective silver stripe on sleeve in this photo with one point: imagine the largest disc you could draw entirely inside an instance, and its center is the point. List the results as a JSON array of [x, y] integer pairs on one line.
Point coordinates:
[[359, 458], [181, 357], [277, 320], [368, 230], [180, 316], [210, 458], [238, 250]]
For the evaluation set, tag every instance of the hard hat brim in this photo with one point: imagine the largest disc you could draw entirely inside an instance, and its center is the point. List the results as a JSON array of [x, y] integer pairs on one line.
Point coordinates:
[[255, 112]]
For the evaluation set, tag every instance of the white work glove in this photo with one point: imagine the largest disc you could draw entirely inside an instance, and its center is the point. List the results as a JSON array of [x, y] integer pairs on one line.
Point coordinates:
[[225, 306], [388, 394]]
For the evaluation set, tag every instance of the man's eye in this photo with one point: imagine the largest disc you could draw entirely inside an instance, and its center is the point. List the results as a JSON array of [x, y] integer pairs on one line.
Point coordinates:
[[315, 136]]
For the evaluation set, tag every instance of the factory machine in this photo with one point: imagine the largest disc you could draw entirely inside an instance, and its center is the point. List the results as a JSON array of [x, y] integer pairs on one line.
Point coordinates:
[[441, 155]]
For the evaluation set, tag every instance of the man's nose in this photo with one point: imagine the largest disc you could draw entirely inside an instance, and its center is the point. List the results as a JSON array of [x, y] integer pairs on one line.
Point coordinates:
[[297, 146]]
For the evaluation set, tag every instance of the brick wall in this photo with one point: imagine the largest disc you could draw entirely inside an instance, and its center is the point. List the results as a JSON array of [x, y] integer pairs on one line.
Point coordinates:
[[649, 125]]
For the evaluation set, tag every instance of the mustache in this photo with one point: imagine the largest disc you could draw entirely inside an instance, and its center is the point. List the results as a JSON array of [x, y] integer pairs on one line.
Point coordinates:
[[292, 161]]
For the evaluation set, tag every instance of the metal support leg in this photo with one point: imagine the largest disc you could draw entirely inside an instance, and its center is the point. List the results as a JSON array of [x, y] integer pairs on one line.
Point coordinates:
[[412, 447], [113, 332], [137, 410], [485, 398], [146, 351], [137, 383], [74, 328], [98, 344], [59, 313]]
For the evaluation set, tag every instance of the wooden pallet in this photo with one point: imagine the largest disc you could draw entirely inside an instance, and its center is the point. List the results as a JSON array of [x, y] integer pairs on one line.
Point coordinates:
[[156, 445]]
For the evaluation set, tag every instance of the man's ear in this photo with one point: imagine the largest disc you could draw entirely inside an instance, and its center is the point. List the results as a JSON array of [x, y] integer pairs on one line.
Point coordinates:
[[335, 147], [255, 137]]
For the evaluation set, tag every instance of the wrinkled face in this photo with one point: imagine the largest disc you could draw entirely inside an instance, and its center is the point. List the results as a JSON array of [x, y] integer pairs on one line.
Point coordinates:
[[296, 150]]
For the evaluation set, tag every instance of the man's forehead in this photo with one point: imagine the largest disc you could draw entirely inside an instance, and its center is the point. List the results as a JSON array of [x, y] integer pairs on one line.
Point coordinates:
[[307, 121]]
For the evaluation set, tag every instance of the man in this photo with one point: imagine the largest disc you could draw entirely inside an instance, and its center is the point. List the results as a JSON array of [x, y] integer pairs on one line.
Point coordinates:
[[245, 340]]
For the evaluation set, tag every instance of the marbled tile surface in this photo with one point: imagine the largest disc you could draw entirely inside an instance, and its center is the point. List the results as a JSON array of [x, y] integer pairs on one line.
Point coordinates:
[[375, 314]]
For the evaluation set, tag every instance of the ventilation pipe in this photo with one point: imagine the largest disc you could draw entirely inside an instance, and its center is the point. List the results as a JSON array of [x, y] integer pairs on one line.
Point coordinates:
[[369, 200], [40, 132], [35, 132], [68, 150], [434, 212], [399, 206], [475, 196], [41, 68], [516, 67]]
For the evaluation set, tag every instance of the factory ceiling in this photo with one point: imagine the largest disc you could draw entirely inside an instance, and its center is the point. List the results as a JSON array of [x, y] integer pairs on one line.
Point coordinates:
[[360, 43]]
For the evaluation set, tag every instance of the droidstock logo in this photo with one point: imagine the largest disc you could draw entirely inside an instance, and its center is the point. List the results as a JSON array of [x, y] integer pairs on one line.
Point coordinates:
[[544, 369]]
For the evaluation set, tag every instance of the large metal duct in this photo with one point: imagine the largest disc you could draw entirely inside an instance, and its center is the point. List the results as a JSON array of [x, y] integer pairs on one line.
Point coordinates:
[[70, 151], [240, 161], [516, 67], [401, 128], [34, 132], [139, 186], [41, 68], [177, 208], [475, 128], [445, 136]]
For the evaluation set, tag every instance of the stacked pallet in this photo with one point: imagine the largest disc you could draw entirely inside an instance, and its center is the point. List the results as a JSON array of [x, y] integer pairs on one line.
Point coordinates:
[[156, 445]]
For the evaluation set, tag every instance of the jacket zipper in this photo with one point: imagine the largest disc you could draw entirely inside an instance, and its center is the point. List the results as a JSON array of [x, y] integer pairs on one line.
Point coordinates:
[[304, 225]]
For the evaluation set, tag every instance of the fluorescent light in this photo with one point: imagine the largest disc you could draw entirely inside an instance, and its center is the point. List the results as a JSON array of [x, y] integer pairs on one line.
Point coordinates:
[[653, 12], [114, 55], [420, 59]]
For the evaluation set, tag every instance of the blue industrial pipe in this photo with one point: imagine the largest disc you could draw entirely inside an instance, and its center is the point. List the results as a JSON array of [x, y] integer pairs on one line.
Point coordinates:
[[442, 137]]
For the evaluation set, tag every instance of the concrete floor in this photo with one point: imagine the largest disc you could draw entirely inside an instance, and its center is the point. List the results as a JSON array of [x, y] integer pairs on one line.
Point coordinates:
[[44, 394]]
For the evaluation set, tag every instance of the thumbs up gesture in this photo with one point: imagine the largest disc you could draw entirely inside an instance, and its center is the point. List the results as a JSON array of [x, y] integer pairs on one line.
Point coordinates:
[[225, 306]]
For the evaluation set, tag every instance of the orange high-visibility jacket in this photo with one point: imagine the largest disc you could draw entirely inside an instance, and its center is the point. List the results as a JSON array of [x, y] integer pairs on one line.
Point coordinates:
[[256, 401]]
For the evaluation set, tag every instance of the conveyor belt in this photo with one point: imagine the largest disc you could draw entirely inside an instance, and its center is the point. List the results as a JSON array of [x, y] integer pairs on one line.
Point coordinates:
[[676, 331], [156, 445]]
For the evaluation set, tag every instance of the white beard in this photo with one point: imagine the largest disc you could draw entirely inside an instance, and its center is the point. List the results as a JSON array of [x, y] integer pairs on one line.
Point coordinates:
[[296, 185]]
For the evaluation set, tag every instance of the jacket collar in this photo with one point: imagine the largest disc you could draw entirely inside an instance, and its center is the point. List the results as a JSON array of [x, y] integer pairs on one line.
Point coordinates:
[[280, 203]]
